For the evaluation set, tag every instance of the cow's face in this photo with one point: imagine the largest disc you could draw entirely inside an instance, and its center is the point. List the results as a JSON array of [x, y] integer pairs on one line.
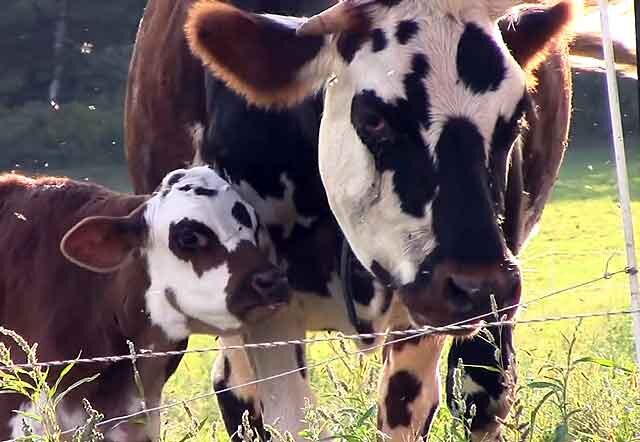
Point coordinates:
[[198, 240], [423, 106]]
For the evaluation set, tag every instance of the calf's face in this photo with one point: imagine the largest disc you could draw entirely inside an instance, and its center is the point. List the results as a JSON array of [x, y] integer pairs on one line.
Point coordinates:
[[199, 243], [422, 109]]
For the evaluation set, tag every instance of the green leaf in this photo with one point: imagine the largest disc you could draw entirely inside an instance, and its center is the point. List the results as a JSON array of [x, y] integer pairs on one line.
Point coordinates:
[[534, 412], [63, 373], [537, 385], [607, 363], [73, 387], [366, 415]]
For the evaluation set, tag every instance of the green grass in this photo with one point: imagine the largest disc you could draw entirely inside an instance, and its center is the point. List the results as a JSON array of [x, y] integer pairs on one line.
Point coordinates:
[[580, 230]]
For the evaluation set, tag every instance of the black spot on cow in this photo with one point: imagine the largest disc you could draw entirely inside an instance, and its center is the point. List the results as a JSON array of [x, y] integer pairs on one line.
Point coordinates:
[[477, 354], [241, 214], [416, 90], [203, 191], [185, 188], [300, 360], [378, 40], [175, 178], [480, 62], [399, 146], [403, 389], [381, 273], [349, 43], [406, 30], [165, 192], [464, 219], [232, 407], [194, 242], [429, 421], [389, 3], [362, 283], [505, 133]]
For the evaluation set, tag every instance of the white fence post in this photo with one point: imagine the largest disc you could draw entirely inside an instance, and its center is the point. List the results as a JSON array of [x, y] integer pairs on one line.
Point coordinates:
[[621, 169]]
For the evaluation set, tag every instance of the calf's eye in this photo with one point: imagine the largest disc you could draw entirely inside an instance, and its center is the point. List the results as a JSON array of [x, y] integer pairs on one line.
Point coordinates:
[[191, 240]]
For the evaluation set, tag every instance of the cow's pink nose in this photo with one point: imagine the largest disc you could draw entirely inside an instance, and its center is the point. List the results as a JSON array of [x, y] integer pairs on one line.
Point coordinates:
[[270, 284]]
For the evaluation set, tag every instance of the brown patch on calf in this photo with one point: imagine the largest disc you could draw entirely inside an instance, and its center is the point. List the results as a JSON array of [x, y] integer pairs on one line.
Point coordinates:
[[532, 32], [255, 56]]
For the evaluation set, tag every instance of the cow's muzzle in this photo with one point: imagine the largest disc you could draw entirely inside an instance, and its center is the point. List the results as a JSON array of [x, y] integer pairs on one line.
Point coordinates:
[[461, 294]]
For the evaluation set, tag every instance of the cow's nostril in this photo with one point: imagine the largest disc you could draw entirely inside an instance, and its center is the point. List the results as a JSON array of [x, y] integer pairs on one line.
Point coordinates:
[[266, 283], [459, 297], [464, 285]]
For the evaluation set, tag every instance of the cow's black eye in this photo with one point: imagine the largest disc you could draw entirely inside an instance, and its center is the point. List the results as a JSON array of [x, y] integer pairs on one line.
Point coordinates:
[[192, 240], [370, 123]]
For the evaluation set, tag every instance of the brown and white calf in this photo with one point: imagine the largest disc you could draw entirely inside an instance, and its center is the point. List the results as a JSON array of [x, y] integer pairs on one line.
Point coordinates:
[[83, 270]]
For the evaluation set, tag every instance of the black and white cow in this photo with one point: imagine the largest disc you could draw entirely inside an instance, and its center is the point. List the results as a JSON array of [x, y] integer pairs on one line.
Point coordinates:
[[424, 159]]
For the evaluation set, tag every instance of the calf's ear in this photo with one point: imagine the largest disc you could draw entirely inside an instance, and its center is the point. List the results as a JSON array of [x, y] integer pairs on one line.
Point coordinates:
[[258, 56], [103, 243], [531, 31]]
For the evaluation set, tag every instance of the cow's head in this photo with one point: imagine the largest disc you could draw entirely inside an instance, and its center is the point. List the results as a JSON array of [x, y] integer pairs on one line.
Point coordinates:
[[199, 243], [423, 105]]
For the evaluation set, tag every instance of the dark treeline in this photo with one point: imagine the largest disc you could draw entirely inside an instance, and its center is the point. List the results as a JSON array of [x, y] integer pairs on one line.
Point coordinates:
[[63, 70], [75, 54]]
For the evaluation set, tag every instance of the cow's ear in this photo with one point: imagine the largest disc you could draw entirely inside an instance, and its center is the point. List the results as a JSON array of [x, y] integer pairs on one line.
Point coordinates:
[[258, 56], [531, 31], [103, 243]]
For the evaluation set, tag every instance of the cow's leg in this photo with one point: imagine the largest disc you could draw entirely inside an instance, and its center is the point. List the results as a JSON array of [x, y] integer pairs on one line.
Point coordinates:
[[232, 369], [409, 393], [490, 389], [283, 398]]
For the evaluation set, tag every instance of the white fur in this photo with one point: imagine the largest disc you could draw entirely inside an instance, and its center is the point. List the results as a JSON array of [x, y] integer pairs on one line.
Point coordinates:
[[198, 297], [469, 386]]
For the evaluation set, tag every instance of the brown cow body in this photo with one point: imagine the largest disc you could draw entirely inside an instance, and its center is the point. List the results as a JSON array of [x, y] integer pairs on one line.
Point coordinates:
[[72, 311]]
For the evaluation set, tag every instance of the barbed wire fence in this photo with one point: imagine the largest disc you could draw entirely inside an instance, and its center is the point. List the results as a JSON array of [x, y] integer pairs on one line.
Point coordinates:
[[467, 325]]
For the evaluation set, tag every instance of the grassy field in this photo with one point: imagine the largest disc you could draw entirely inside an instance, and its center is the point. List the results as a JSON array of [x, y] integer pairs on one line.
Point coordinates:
[[559, 398]]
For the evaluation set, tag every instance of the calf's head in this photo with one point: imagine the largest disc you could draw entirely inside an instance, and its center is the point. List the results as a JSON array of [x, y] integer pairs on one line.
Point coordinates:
[[424, 101], [199, 243]]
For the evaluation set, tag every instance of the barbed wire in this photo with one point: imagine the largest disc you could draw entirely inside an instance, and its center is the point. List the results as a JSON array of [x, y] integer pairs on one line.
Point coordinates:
[[403, 335], [422, 332], [459, 326]]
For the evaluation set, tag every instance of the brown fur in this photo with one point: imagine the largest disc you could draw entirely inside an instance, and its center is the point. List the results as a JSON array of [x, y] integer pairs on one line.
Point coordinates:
[[68, 310], [533, 40], [276, 54], [164, 93]]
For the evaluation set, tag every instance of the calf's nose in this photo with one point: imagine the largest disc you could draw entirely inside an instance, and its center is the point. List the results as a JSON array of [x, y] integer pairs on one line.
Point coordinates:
[[270, 284]]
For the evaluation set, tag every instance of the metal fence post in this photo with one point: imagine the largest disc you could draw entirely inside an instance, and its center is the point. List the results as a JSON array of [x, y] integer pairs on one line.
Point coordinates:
[[621, 167]]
